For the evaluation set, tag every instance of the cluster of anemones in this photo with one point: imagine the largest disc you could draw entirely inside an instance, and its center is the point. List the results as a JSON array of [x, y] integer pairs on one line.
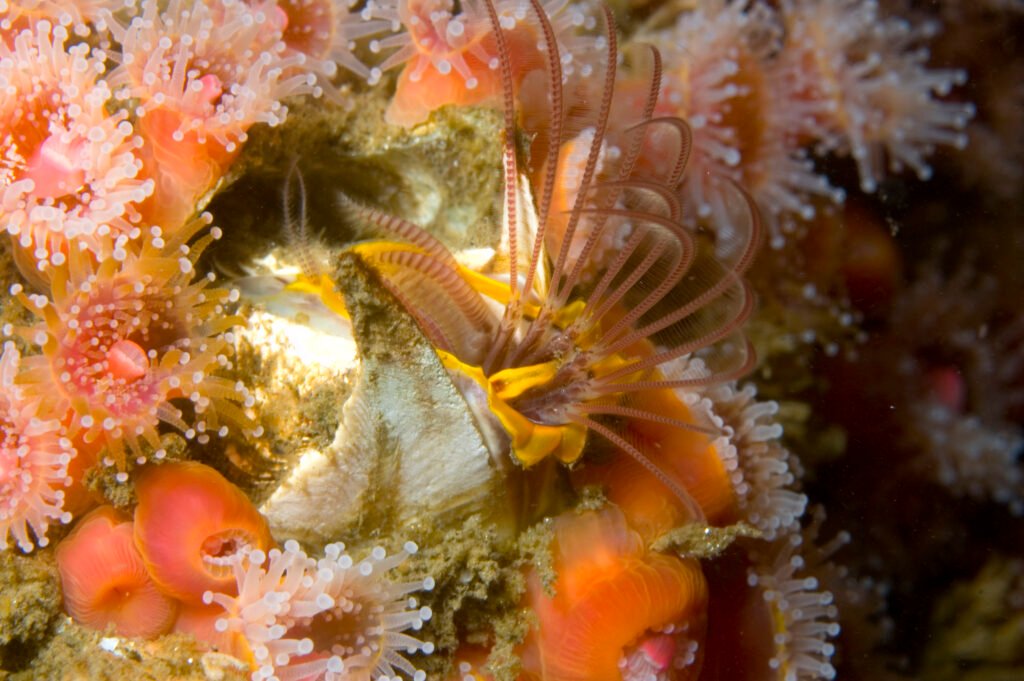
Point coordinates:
[[451, 57], [332, 618], [90, 153], [34, 458], [760, 586], [193, 557], [102, 173], [764, 86], [127, 345], [99, 182], [954, 406], [71, 170], [963, 403], [136, 572], [610, 608]]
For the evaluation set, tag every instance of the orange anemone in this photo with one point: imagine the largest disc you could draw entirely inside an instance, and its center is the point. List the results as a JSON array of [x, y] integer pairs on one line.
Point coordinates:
[[183, 166], [105, 581], [451, 58], [785, 619], [418, 94], [690, 459], [191, 524], [200, 622], [618, 611]]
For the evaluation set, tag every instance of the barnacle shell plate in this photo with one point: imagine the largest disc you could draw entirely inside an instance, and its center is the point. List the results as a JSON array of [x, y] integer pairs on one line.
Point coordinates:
[[407, 454]]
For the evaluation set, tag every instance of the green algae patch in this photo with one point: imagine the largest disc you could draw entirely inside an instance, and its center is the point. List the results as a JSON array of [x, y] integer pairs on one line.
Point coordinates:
[[30, 603], [480, 585], [510, 630], [977, 628], [511, 626], [477, 584], [76, 652], [592, 498], [536, 548], [702, 542], [8, 270], [11, 311], [101, 480]]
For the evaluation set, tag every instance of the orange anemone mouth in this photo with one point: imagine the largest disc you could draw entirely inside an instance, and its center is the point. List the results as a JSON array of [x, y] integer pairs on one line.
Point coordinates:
[[221, 550], [192, 526]]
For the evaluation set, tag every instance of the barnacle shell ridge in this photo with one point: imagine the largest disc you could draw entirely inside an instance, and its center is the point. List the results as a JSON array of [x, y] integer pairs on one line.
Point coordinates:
[[392, 463]]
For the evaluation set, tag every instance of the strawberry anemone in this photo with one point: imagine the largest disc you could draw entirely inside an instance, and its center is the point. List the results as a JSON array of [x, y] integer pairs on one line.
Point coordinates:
[[34, 458], [324, 32], [452, 57], [865, 90], [449, 57], [200, 75], [725, 79], [771, 593], [71, 170], [123, 338], [77, 15], [335, 618]]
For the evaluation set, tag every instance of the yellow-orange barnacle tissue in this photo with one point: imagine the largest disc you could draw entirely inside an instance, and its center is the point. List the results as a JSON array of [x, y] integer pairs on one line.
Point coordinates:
[[192, 525], [587, 332], [531, 442], [618, 611], [105, 582]]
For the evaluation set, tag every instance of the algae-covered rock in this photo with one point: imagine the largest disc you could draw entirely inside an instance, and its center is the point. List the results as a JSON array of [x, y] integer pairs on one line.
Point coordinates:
[[978, 627], [300, 376], [702, 542], [444, 175], [79, 654], [29, 604], [407, 455], [478, 582]]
